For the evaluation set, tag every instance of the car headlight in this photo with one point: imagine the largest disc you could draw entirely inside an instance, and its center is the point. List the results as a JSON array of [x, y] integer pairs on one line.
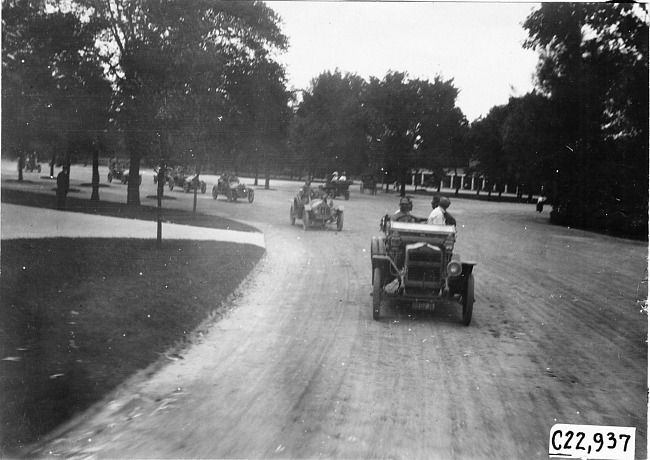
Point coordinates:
[[454, 269]]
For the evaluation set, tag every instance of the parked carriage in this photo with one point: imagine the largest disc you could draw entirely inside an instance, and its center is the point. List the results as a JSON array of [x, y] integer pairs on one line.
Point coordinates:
[[336, 188], [368, 182]]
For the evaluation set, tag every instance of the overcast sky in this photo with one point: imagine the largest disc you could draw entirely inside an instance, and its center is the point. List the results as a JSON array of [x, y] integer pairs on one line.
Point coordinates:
[[476, 44]]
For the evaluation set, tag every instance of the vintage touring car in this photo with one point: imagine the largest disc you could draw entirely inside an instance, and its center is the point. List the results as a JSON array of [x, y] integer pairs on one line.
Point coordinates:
[[232, 189], [315, 211], [415, 261]]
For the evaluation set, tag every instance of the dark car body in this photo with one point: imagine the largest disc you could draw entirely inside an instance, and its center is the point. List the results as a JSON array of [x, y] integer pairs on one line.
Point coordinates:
[[416, 261]]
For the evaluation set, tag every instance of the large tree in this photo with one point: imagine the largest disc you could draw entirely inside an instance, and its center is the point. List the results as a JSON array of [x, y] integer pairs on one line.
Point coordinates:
[[55, 98], [529, 147], [400, 112], [486, 141], [171, 58], [263, 115], [417, 123], [329, 125], [594, 70], [444, 128]]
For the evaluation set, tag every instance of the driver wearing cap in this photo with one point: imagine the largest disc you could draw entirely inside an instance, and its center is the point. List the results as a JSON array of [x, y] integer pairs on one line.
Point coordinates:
[[405, 208]]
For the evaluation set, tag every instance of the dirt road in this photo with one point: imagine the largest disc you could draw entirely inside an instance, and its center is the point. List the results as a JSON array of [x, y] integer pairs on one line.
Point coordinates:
[[299, 369]]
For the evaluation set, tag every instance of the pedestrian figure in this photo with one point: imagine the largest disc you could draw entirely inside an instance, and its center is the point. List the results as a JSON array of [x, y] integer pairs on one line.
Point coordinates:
[[62, 187]]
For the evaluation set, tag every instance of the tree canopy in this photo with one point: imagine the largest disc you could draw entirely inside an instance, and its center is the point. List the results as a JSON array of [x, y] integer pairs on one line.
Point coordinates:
[[55, 99], [177, 67], [397, 123], [581, 138]]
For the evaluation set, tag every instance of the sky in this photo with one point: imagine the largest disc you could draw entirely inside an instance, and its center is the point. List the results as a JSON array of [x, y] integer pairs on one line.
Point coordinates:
[[478, 45]]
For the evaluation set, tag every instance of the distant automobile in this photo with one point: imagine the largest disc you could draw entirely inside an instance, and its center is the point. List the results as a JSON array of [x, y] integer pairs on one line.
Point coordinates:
[[189, 185], [117, 172], [230, 186], [125, 177], [316, 211]]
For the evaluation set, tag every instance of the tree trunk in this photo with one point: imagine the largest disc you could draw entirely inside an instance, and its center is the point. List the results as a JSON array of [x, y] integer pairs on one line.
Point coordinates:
[[267, 175], [133, 187], [21, 165], [161, 188], [94, 196], [196, 185], [52, 162]]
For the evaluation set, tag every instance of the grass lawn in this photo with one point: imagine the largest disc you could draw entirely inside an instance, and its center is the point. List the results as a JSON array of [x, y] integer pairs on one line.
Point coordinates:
[[78, 316]]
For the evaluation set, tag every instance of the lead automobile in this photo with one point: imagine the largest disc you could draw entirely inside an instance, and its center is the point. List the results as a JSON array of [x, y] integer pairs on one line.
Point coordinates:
[[416, 261]]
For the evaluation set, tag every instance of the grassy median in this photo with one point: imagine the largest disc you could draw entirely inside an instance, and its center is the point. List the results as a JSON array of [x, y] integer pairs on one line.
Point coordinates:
[[78, 316]]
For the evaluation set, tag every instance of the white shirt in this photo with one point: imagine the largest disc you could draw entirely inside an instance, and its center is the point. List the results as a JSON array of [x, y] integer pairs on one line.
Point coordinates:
[[437, 216]]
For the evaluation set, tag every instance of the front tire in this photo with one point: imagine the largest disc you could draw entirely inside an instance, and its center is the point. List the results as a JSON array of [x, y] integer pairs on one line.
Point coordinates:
[[468, 300], [203, 187], [339, 222], [292, 215], [305, 220], [251, 196], [110, 178], [346, 194], [215, 192], [376, 293]]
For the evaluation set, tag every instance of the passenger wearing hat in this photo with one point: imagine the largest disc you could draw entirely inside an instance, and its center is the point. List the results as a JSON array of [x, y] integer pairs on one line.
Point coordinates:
[[439, 215]]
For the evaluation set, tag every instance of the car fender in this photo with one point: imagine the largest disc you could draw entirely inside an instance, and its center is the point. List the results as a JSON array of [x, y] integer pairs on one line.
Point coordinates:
[[378, 245], [468, 266]]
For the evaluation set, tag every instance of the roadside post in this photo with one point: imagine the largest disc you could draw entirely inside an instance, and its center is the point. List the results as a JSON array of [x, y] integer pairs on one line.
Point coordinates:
[[161, 187]]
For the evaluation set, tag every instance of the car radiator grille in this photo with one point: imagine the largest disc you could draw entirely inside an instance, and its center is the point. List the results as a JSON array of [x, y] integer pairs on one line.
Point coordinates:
[[424, 267]]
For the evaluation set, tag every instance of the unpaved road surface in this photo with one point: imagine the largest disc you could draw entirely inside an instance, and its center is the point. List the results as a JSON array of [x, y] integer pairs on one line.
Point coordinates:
[[298, 368]]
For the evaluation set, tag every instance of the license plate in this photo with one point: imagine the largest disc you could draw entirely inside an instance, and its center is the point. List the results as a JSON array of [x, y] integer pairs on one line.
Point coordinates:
[[419, 305]]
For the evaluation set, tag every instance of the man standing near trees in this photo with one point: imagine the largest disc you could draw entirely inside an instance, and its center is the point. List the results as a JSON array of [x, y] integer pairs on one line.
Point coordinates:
[[62, 187]]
